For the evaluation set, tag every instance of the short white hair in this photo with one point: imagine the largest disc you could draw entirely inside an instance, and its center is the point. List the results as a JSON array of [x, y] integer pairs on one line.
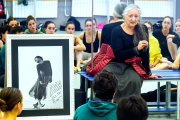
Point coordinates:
[[130, 7]]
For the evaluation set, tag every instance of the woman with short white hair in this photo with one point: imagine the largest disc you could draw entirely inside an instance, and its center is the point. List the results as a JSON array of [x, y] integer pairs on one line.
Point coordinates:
[[129, 42]]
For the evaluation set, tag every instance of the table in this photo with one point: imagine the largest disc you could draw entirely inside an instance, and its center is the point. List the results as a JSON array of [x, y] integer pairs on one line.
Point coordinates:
[[168, 77]]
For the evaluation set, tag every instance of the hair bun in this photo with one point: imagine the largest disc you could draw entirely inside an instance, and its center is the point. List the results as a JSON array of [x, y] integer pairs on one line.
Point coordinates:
[[29, 16], [3, 105]]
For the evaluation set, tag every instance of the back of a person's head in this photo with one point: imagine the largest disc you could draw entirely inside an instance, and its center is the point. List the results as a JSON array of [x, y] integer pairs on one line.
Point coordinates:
[[5, 28], [105, 85], [16, 29], [132, 108], [118, 9], [9, 97]]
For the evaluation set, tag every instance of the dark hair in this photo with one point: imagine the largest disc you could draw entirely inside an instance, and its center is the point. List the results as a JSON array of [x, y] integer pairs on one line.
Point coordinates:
[[148, 23], [9, 97], [30, 17], [111, 19], [16, 29], [168, 17], [10, 19], [47, 23], [69, 22], [38, 57], [4, 29], [132, 108], [90, 20], [105, 85]]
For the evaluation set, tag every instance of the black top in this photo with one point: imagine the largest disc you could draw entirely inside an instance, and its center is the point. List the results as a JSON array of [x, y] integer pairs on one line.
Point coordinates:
[[163, 42], [106, 32], [124, 48], [176, 40], [88, 45], [45, 68]]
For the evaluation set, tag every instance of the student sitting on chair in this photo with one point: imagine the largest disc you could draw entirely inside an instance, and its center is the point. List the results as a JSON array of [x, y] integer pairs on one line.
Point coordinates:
[[13, 30], [155, 52], [31, 24], [78, 45], [132, 108], [101, 107], [87, 38], [176, 40], [168, 48]]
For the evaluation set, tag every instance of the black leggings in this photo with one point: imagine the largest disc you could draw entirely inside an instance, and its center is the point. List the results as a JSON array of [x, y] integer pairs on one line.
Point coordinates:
[[152, 95]]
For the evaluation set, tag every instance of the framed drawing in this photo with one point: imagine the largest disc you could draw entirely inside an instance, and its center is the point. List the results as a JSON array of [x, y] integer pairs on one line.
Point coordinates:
[[42, 67]]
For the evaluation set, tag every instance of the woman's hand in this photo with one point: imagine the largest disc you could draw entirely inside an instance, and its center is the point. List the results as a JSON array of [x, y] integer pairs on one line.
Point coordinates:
[[170, 36], [142, 44], [175, 66], [156, 76], [171, 89], [151, 65]]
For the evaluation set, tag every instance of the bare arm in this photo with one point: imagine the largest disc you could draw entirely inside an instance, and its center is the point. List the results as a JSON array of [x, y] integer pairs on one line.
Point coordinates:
[[156, 62], [81, 36], [1, 44], [99, 37], [80, 45]]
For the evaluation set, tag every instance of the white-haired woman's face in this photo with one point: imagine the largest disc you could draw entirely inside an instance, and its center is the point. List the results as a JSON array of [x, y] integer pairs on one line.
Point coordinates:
[[132, 17]]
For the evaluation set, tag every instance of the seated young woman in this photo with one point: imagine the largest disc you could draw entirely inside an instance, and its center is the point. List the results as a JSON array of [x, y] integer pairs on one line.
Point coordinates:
[[168, 48], [154, 51], [49, 27], [11, 22], [87, 38], [31, 24], [79, 47], [11, 103], [176, 40]]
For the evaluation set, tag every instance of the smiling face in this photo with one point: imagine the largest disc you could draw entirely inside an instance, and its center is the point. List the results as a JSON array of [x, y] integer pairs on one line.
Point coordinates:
[[50, 29], [132, 18], [166, 24], [70, 29]]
